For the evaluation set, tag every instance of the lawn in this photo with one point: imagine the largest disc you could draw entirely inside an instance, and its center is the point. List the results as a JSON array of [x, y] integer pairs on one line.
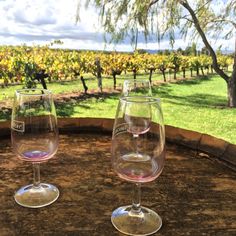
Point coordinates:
[[69, 86], [198, 104]]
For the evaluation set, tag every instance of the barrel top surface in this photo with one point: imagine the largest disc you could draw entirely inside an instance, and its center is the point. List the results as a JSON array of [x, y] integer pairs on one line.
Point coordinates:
[[194, 195]]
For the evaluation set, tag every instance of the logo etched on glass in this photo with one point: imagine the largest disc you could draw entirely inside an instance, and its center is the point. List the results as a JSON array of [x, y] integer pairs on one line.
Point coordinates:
[[121, 128], [18, 126]]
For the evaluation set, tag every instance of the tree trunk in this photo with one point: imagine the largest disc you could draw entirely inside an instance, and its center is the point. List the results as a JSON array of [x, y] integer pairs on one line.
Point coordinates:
[[43, 82], [197, 71], [84, 85], [229, 80], [202, 70], [191, 70], [184, 74], [99, 73], [134, 73], [164, 75], [114, 79], [40, 76], [175, 72], [150, 75], [231, 85]]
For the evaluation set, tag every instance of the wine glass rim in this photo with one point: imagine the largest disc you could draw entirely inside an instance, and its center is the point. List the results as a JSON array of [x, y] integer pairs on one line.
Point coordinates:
[[140, 99], [24, 92]]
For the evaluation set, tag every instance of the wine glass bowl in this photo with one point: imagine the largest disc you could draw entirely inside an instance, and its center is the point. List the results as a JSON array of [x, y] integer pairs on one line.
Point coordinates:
[[34, 136], [35, 143], [138, 156], [137, 115]]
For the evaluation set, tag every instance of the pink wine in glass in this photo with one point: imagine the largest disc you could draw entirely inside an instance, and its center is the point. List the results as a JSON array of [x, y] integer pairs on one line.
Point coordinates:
[[139, 168], [35, 155]]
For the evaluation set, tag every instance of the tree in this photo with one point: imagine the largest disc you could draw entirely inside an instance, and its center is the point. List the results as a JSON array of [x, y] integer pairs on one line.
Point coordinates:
[[180, 51], [205, 51], [205, 18], [99, 72], [191, 50], [175, 62]]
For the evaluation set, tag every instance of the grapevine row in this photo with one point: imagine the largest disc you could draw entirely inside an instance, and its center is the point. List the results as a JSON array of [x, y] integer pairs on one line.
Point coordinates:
[[24, 64]]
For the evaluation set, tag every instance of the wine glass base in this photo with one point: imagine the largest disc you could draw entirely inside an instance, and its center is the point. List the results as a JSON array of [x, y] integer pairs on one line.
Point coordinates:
[[32, 197], [145, 223]]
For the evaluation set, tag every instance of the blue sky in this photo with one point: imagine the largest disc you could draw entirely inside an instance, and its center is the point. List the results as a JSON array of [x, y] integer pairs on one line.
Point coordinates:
[[42, 21]]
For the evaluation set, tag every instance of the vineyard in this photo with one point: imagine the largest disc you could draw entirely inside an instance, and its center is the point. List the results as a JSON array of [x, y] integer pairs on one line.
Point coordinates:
[[77, 78], [30, 65]]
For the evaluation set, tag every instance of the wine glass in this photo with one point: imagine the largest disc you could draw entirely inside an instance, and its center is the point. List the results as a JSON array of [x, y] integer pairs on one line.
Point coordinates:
[[138, 163], [136, 87], [34, 136]]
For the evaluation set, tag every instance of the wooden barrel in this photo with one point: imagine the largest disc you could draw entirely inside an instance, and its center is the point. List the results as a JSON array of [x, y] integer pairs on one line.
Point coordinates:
[[195, 194]]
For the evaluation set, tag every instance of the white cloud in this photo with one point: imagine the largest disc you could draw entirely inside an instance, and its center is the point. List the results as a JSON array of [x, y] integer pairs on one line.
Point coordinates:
[[34, 13], [42, 21]]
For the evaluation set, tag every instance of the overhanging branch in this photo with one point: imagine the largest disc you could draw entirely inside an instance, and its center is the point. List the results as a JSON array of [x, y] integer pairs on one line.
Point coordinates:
[[205, 41], [152, 3]]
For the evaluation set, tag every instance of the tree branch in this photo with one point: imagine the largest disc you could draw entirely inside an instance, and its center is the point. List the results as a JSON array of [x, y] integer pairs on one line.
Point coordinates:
[[187, 19], [152, 3], [200, 8], [205, 41], [224, 20]]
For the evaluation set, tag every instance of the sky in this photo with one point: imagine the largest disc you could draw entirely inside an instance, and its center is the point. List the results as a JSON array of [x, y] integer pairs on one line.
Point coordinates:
[[40, 22]]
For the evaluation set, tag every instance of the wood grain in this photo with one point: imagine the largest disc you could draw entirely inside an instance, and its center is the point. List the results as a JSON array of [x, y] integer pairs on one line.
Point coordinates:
[[195, 194]]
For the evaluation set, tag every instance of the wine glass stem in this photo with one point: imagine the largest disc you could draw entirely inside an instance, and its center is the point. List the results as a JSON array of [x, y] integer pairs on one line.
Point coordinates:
[[36, 168], [136, 142], [136, 205]]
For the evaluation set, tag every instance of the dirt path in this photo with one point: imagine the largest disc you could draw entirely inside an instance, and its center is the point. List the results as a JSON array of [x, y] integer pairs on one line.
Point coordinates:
[[65, 97]]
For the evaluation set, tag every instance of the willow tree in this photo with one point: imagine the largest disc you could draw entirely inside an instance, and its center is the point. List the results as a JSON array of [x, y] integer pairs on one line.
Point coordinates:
[[206, 19]]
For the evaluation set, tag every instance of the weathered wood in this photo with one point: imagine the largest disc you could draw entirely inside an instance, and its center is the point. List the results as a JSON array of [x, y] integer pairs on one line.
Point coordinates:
[[220, 149], [195, 194]]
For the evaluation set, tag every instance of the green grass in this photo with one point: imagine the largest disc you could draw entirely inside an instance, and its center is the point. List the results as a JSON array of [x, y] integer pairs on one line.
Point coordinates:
[[60, 87], [199, 104]]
